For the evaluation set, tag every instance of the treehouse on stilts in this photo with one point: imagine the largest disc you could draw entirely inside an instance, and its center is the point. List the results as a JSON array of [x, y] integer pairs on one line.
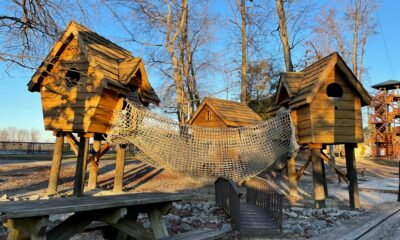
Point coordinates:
[[82, 81], [326, 100]]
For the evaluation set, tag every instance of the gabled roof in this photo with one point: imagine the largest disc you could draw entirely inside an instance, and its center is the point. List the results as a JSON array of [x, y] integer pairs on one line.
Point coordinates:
[[315, 76], [233, 114], [291, 82], [119, 64], [388, 85]]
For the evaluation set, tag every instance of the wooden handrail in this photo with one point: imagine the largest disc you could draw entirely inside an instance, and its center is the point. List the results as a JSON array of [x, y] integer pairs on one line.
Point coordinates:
[[266, 194], [227, 197]]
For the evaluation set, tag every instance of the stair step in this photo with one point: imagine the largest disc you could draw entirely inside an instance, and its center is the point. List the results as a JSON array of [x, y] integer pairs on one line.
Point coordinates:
[[259, 232]]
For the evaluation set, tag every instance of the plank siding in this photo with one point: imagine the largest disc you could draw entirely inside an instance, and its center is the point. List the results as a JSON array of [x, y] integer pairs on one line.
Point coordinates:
[[304, 124], [336, 121], [203, 121]]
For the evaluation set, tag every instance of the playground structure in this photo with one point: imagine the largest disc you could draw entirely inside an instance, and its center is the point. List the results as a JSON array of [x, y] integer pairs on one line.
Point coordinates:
[[384, 121], [82, 81], [96, 89], [325, 100]]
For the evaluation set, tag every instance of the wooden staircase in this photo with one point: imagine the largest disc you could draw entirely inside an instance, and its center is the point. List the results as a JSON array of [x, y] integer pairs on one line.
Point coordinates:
[[254, 221], [260, 214]]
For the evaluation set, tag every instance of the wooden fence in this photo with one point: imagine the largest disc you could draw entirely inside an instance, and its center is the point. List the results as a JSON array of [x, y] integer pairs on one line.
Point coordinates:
[[266, 194], [227, 197], [38, 148]]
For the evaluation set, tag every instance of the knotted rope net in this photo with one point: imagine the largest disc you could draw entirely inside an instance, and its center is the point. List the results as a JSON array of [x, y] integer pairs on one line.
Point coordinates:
[[237, 153]]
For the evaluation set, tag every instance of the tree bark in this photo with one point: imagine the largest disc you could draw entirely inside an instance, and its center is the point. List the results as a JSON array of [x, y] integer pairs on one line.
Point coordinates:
[[169, 44], [284, 36], [354, 55], [243, 87]]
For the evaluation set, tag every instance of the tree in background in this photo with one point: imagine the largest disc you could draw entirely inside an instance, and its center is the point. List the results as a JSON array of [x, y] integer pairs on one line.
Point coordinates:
[[29, 28], [262, 79], [175, 34], [34, 135], [241, 6], [346, 33], [283, 32], [13, 134]]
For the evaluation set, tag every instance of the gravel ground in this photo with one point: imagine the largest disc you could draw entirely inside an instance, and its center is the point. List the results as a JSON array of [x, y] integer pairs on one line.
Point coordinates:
[[27, 179]]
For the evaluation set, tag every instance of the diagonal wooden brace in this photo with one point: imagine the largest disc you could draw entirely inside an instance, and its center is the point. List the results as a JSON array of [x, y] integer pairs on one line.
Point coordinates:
[[336, 168], [99, 154], [73, 142]]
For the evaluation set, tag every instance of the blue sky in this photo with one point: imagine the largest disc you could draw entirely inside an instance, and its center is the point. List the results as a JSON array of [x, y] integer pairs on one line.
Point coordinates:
[[22, 109]]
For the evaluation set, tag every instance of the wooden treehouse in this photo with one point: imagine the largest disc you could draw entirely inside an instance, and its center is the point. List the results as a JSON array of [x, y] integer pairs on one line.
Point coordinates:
[[384, 120], [220, 113], [82, 81], [326, 100]]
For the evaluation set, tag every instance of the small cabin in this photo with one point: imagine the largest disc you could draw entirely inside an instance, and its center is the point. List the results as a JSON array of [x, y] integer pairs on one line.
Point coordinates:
[[326, 100], [219, 113], [84, 79]]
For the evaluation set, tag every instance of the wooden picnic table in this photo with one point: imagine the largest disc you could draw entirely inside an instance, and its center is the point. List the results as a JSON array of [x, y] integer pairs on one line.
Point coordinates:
[[118, 211]]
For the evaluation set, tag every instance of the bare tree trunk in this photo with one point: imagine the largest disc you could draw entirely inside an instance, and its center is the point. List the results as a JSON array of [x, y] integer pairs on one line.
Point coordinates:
[[284, 36], [354, 55], [169, 44], [243, 88], [360, 71]]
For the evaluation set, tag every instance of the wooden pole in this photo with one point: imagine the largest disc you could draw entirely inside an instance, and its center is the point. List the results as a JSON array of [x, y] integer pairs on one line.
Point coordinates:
[[324, 178], [352, 176], [119, 168], [56, 164], [292, 176], [81, 166], [319, 193], [92, 183]]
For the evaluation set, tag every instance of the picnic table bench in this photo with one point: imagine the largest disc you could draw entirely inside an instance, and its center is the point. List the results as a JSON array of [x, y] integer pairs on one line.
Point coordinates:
[[119, 211]]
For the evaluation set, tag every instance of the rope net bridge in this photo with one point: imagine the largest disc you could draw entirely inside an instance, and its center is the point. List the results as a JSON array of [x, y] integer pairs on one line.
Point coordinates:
[[237, 153]]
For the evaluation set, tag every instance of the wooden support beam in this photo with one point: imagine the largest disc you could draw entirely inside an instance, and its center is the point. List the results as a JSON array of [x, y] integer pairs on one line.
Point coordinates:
[[319, 193], [72, 142], [35, 227], [292, 178], [92, 182], [335, 167], [56, 164], [324, 178], [81, 167], [72, 225], [119, 168], [352, 176], [98, 155], [157, 223], [303, 168]]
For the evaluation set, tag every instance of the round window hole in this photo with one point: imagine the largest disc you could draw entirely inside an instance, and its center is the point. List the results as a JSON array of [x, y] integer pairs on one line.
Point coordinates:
[[72, 77], [334, 91]]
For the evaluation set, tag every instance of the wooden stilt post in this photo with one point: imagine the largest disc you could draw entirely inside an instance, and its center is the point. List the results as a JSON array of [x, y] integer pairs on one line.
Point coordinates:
[[81, 166], [324, 178], [119, 168], [56, 164], [352, 176], [319, 193], [292, 176], [92, 183]]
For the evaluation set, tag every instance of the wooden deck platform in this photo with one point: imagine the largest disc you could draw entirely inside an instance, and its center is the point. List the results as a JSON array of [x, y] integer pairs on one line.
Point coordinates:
[[381, 222], [31, 218], [254, 221]]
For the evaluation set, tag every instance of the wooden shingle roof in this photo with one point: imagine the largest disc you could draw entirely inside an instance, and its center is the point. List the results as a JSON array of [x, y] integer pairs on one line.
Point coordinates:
[[233, 114], [116, 63], [290, 81], [311, 79]]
